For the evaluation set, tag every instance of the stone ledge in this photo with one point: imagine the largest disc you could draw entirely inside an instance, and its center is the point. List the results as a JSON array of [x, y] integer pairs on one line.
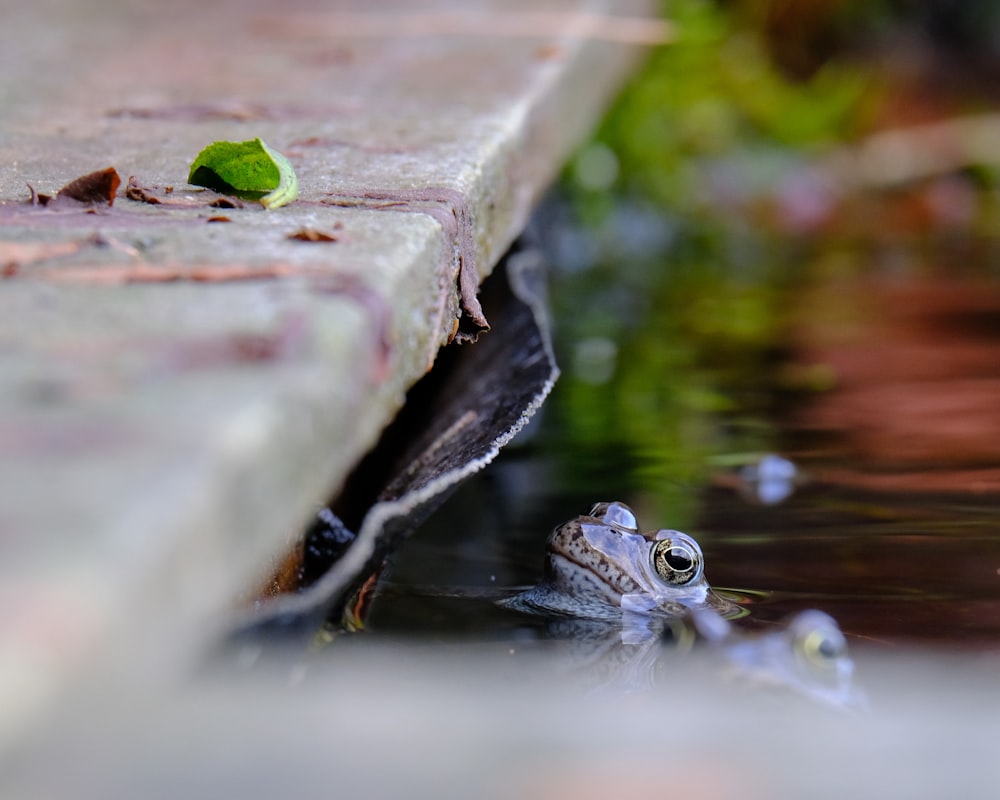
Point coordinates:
[[179, 395]]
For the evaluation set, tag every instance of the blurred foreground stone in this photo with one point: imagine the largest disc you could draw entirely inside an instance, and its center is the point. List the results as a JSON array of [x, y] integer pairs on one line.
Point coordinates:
[[181, 385], [499, 722]]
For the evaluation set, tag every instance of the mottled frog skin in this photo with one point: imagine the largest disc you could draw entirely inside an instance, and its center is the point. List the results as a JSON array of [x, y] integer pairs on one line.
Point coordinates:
[[600, 566]]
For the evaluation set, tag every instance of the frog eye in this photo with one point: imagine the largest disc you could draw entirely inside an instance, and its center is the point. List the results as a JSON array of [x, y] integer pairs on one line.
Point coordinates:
[[676, 560], [819, 639], [824, 647], [617, 514]]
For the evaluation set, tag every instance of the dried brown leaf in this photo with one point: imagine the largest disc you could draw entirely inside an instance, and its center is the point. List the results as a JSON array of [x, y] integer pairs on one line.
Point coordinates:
[[93, 189], [141, 194], [158, 196], [311, 235], [224, 201]]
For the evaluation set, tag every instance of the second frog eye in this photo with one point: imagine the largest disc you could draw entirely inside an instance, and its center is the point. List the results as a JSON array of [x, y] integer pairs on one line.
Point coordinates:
[[617, 514], [676, 560]]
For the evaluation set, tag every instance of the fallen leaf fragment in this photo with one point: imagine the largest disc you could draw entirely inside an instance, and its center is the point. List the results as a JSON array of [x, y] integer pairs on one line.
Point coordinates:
[[92, 189], [250, 170], [166, 196], [311, 235], [141, 194], [226, 202]]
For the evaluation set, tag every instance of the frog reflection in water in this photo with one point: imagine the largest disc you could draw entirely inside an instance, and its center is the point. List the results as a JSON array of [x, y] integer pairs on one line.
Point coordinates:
[[600, 566], [806, 653]]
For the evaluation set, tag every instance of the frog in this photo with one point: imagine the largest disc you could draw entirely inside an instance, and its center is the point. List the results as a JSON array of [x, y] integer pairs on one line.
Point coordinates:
[[600, 566], [806, 652]]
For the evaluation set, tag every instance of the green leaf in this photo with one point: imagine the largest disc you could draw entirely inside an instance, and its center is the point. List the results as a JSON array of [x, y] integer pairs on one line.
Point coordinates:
[[250, 170]]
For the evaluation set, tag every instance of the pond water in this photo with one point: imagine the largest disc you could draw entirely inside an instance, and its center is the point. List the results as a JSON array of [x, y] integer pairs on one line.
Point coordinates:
[[874, 373]]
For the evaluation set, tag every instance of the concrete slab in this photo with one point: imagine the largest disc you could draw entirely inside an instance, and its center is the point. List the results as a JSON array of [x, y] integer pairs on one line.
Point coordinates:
[[500, 722], [178, 393]]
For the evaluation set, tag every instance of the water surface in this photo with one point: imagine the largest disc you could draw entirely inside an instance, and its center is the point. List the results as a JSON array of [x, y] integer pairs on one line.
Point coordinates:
[[877, 375]]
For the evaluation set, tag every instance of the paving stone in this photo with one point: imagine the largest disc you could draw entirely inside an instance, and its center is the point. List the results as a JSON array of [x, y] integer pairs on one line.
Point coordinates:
[[179, 392]]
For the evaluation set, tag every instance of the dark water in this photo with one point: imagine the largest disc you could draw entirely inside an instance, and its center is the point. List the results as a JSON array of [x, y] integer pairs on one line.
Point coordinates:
[[877, 373], [892, 567]]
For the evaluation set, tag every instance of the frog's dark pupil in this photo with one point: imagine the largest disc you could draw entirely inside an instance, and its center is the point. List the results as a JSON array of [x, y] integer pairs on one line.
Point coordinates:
[[678, 559], [827, 648]]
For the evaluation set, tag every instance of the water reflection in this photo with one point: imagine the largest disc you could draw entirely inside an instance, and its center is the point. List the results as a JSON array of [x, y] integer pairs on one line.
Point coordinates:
[[807, 653], [769, 479], [916, 365]]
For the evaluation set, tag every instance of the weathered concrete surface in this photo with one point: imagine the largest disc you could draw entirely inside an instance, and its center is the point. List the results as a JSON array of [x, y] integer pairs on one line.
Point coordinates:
[[176, 396], [419, 722]]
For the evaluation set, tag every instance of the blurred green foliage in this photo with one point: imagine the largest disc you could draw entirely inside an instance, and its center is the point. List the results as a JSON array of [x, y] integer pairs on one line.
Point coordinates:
[[672, 304], [714, 93], [668, 347]]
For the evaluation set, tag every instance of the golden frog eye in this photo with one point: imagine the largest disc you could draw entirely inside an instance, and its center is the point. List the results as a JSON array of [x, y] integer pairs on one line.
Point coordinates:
[[817, 637], [676, 560], [824, 646]]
